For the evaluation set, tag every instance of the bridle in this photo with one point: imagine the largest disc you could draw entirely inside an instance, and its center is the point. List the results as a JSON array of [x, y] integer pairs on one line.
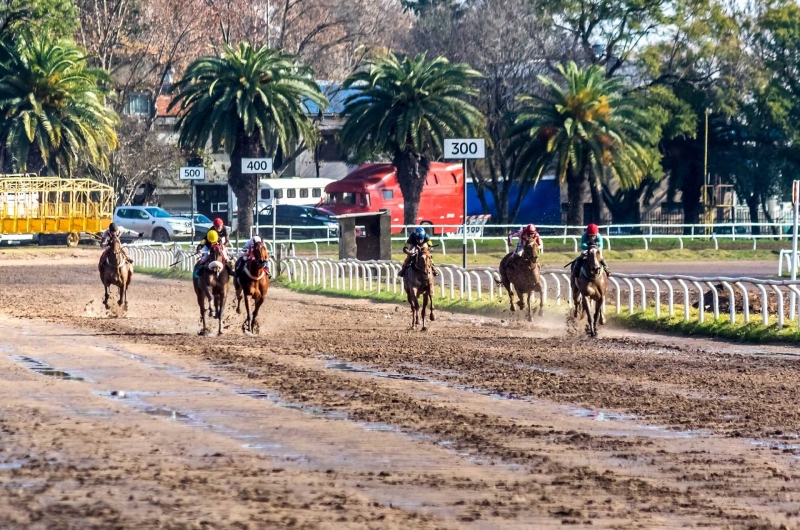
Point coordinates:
[[261, 256], [421, 253], [530, 252], [115, 248], [592, 255]]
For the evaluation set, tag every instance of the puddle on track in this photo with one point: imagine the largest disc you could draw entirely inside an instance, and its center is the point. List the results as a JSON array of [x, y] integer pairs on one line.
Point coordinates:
[[45, 369]]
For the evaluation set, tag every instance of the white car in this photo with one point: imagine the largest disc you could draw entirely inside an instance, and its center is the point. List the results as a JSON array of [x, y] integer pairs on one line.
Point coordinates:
[[156, 223]]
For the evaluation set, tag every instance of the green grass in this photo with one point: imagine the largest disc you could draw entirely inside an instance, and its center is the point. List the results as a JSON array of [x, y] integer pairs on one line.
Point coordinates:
[[169, 274], [754, 331]]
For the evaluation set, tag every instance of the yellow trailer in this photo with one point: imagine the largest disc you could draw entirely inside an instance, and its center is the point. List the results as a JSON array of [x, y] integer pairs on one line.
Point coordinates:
[[32, 206]]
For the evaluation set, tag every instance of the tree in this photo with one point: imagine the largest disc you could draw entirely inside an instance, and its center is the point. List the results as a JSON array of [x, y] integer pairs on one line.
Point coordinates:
[[27, 17], [511, 44], [587, 131], [53, 107], [249, 101], [404, 110]]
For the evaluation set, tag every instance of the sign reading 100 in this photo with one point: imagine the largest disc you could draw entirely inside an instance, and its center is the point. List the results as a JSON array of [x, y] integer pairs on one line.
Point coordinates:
[[256, 165], [461, 148]]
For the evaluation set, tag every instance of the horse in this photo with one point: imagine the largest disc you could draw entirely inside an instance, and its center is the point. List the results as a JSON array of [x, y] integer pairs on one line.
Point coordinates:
[[252, 281], [211, 284], [589, 285], [115, 270], [524, 273], [418, 279]]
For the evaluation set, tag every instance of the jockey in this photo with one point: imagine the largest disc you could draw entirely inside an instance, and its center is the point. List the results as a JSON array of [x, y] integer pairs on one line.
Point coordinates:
[[591, 238], [525, 234], [246, 254], [220, 238], [118, 231], [222, 231], [417, 238]]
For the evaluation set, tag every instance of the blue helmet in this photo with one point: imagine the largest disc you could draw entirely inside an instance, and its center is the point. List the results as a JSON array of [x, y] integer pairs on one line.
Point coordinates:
[[420, 233]]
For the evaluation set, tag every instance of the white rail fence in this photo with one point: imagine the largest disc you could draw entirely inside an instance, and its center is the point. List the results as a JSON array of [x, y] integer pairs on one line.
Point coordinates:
[[740, 297]]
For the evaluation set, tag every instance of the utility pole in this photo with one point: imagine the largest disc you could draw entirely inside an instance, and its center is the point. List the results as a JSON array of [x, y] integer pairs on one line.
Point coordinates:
[[705, 172]]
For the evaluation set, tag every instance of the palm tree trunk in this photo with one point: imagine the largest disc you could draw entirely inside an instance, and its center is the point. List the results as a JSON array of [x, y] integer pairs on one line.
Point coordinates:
[[575, 199], [412, 170], [245, 187], [753, 202]]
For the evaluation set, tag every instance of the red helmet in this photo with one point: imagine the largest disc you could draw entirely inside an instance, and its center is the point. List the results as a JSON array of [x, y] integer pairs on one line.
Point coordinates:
[[218, 223], [530, 229], [592, 229]]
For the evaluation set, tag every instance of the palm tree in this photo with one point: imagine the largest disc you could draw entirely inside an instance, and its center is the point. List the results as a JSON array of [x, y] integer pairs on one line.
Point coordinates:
[[587, 130], [405, 109], [53, 108], [249, 102]]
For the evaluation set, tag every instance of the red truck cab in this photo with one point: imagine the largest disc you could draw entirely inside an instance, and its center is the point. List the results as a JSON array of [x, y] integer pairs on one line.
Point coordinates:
[[373, 187]]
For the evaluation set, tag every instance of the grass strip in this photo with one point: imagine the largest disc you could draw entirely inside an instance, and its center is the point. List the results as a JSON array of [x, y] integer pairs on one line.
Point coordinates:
[[753, 332]]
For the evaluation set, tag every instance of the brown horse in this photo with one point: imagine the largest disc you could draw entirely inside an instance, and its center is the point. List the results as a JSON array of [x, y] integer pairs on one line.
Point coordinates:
[[524, 273], [115, 270], [251, 281], [418, 280], [211, 284], [589, 289]]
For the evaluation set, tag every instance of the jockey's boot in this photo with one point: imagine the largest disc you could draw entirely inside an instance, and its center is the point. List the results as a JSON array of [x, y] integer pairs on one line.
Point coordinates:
[[197, 267], [605, 268], [402, 271]]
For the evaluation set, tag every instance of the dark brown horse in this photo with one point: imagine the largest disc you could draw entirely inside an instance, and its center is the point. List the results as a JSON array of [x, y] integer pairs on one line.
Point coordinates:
[[418, 280], [589, 290], [211, 285], [115, 270], [251, 281], [524, 273]]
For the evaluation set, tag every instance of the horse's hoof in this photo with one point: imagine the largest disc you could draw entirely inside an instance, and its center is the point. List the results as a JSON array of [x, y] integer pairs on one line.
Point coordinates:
[[203, 332], [530, 318], [521, 305], [513, 308], [433, 318], [424, 328]]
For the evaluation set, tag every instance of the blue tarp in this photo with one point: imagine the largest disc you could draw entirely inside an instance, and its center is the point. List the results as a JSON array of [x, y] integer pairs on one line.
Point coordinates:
[[541, 205]]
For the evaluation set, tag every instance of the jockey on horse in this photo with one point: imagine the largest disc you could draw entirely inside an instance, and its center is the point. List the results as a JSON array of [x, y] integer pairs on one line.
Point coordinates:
[[247, 254], [417, 238], [115, 231], [222, 239], [211, 240], [591, 238], [525, 234]]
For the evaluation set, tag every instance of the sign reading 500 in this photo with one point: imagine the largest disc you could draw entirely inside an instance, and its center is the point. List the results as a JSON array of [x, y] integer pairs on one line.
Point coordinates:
[[461, 148]]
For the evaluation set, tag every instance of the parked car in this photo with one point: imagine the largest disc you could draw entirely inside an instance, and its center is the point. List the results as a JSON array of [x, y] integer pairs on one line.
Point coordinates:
[[311, 223], [202, 225], [156, 223]]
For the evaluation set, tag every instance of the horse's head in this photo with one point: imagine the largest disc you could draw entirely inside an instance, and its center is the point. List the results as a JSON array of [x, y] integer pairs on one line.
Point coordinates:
[[260, 253], [216, 259], [422, 259], [592, 266], [531, 251]]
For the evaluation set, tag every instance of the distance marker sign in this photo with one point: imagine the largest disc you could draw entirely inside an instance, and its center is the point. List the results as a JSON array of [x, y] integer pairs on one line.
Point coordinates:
[[464, 148], [193, 173], [251, 166]]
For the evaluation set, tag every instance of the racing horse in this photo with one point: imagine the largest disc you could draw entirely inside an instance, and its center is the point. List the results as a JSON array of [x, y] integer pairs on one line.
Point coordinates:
[[211, 285], [524, 273], [418, 280], [115, 270], [589, 290], [251, 281]]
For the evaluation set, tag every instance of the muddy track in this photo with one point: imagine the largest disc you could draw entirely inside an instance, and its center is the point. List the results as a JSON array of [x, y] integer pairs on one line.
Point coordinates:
[[549, 429]]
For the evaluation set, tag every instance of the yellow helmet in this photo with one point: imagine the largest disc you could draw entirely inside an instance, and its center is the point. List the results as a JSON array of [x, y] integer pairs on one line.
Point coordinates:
[[212, 236]]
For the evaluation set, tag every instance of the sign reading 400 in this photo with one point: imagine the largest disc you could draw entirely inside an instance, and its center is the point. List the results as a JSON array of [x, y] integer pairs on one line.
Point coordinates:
[[252, 166], [461, 148]]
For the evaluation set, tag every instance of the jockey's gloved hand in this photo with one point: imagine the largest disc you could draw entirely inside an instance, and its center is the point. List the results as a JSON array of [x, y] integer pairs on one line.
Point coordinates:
[[141, 234]]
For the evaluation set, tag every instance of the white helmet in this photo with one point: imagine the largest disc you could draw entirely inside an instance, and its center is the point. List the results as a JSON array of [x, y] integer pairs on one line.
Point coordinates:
[[256, 239]]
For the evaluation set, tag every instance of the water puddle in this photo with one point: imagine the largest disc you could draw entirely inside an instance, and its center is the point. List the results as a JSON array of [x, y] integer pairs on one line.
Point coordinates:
[[11, 465], [347, 367], [45, 369], [777, 446]]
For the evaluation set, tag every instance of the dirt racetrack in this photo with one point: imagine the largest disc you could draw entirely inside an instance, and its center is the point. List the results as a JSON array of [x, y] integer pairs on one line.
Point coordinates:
[[337, 416]]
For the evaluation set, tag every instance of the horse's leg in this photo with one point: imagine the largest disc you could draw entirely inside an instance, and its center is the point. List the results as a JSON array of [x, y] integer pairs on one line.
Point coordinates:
[[220, 300], [107, 296], [540, 290], [412, 301], [530, 309], [598, 312], [257, 302], [587, 310], [424, 308], [576, 299], [239, 290], [247, 327], [430, 296], [507, 287], [521, 301], [201, 301]]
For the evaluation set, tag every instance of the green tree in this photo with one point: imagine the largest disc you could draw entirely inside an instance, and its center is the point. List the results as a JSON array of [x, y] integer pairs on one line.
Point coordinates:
[[56, 18], [249, 101], [588, 131], [53, 108], [404, 110]]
